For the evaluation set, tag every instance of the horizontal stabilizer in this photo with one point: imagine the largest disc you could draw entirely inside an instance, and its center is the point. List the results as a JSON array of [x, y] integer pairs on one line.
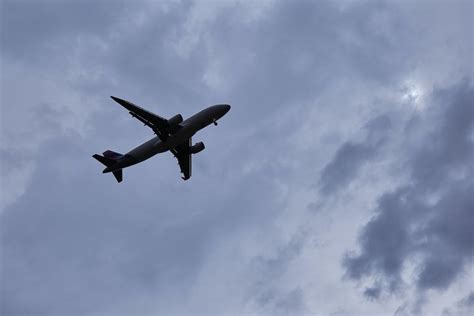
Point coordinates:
[[103, 160], [118, 175], [108, 162]]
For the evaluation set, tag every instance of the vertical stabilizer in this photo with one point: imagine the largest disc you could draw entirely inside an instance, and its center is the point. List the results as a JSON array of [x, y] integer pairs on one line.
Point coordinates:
[[111, 154]]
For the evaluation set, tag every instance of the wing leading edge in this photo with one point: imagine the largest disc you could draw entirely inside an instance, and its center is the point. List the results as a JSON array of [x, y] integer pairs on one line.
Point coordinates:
[[157, 123]]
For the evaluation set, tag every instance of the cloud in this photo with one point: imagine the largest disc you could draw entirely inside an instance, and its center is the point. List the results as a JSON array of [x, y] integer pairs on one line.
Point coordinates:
[[268, 295], [70, 242], [428, 222], [372, 292], [351, 156], [464, 306], [30, 30], [302, 78]]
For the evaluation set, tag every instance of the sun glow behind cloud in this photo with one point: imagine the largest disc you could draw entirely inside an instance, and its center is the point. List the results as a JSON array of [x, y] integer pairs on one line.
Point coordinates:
[[413, 93]]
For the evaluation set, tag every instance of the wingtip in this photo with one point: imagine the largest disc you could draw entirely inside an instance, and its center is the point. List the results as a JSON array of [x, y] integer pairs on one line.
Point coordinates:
[[120, 101], [116, 99]]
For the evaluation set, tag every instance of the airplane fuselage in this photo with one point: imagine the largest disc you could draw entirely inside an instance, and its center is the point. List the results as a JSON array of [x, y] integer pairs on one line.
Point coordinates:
[[187, 129]]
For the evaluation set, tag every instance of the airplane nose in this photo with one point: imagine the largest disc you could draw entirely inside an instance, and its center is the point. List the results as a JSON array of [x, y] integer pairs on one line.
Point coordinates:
[[221, 110]]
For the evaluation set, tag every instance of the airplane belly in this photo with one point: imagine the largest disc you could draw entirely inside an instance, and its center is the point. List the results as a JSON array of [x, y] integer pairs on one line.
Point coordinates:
[[174, 140], [155, 145], [145, 151]]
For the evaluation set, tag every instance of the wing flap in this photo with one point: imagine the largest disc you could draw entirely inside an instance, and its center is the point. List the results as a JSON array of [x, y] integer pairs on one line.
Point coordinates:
[[184, 156]]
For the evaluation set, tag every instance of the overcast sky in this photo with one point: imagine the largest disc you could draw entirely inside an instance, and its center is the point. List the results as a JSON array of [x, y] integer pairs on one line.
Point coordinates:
[[340, 183]]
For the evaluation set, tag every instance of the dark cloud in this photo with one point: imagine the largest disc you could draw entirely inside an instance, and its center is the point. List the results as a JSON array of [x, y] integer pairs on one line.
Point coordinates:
[[78, 243], [433, 217], [384, 240], [464, 306], [73, 242], [372, 292], [352, 156], [267, 295], [347, 162], [69, 242], [291, 304], [467, 301], [32, 30]]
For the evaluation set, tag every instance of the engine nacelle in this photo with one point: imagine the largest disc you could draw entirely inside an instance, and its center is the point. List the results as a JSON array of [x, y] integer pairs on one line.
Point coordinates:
[[194, 149], [175, 120]]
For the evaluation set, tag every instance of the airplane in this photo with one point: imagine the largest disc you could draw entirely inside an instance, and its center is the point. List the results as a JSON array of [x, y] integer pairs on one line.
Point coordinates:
[[174, 135]]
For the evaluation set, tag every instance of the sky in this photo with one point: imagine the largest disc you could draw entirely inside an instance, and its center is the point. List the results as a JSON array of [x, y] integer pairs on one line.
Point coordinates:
[[340, 183]]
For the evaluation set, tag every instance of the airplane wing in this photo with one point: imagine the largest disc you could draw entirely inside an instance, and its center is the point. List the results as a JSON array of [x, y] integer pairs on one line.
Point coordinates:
[[184, 156], [157, 123]]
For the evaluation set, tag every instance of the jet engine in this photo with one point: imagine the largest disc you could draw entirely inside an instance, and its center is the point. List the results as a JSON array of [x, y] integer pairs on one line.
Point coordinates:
[[175, 120], [194, 149]]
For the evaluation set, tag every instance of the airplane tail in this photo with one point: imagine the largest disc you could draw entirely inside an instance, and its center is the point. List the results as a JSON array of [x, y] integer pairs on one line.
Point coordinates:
[[109, 159]]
